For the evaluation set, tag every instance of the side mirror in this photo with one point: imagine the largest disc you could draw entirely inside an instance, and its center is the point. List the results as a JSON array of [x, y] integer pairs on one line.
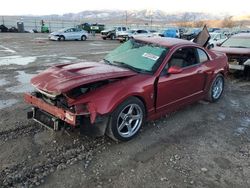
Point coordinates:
[[174, 70]]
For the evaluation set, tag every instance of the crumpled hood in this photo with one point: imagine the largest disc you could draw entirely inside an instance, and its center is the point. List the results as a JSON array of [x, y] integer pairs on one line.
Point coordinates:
[[63, 78], [56, 33]]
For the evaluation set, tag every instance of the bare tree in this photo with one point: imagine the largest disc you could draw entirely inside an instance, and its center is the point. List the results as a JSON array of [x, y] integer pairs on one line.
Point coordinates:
[[228, 22], [199, 23]]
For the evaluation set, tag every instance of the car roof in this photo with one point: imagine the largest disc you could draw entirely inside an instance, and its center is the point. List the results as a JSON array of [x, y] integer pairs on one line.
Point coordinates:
[[241, 35], [165, 41]]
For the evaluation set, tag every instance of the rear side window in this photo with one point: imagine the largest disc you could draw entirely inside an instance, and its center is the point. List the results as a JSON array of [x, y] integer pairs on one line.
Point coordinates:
[[202, 55], [124, 29]]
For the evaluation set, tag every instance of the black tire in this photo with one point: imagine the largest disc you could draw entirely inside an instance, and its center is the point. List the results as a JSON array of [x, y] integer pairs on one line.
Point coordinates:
[[117, 119], [212, 96], [61, 38], [112, 37], [104, 38], [83, 38]]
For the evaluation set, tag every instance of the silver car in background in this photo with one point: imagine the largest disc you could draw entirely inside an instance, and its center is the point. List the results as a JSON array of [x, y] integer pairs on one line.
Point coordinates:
[[69, 33]]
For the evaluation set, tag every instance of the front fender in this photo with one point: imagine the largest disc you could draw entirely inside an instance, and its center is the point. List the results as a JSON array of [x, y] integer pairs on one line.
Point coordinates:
[[105, 100]]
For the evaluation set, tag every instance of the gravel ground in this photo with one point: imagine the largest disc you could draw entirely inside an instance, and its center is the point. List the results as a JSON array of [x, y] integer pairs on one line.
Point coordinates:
[[201, 145]]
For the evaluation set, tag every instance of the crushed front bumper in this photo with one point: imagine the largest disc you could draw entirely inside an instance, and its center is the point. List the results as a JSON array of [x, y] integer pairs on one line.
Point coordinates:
[[54, 118], [53, 37], [58, 113]]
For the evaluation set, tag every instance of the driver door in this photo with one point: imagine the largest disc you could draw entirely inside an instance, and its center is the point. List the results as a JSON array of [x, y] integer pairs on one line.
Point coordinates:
[[177, 89]]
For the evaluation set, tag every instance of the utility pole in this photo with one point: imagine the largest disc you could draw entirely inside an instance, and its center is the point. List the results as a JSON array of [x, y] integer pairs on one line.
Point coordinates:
[[151, 21], [35, 25], [126, 18], [3, 20]]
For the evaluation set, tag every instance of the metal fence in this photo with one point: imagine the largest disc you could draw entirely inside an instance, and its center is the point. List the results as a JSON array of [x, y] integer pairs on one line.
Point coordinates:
[[35, 23], [56, 24]]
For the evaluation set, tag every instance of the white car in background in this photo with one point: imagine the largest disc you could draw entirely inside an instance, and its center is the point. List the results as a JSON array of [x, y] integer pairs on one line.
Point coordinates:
[[69, 33], [134, 33], [216, 39]]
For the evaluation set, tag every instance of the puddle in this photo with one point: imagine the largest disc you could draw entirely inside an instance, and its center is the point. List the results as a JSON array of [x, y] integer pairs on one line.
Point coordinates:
[[50, 55], [25, 85], [97, 53], [96, 44], [69, 58], [5, 49], [7, 103], [17, 60], [3, 82]]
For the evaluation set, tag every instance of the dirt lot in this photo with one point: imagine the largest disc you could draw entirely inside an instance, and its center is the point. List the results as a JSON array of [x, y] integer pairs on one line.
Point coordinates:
[[202, 145]]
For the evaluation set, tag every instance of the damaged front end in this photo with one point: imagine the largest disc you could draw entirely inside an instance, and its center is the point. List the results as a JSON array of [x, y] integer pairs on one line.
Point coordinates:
[[64, 96], [55, 112]]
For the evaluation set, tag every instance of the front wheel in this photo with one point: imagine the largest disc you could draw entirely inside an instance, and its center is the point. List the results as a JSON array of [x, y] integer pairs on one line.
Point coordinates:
[[61, 38], [112, 37], [216, 88], [83, 38], [126, 120]]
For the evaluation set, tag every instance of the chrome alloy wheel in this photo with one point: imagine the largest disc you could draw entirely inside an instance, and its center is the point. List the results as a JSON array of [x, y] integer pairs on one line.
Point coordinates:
[[129, 120], [217, 88]]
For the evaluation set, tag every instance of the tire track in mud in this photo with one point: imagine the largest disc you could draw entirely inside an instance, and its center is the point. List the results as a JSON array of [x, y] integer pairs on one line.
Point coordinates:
[[25, 130], [26, 174]]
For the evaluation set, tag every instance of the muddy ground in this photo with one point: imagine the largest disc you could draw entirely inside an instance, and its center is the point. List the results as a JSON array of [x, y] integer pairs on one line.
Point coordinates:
[[202, 145]]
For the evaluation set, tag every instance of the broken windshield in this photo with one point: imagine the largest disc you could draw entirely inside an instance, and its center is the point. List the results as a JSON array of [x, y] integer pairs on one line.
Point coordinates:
[[138, 56]]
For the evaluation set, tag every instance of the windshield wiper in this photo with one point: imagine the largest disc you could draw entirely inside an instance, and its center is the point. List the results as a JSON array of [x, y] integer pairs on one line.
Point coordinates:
[[130, 67], [107, 61]]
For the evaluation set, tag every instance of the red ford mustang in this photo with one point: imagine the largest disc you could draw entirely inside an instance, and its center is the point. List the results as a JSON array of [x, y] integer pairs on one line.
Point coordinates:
[[140, 80]]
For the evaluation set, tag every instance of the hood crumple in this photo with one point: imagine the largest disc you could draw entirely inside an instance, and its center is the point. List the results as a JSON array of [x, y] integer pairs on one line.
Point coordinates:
[[63, 78]]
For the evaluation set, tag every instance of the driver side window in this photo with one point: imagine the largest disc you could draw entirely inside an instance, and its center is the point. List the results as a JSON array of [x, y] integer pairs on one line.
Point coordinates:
[[183, 57]]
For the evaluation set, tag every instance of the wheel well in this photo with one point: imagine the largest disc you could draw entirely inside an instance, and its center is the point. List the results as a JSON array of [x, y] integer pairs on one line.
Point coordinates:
[[143, 101]]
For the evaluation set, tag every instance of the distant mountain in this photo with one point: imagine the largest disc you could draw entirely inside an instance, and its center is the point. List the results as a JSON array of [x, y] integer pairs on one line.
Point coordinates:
[[134, 16]]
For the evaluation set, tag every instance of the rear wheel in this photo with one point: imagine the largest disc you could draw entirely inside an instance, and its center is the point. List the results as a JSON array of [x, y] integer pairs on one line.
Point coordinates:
[[216, 88], [126, 120]]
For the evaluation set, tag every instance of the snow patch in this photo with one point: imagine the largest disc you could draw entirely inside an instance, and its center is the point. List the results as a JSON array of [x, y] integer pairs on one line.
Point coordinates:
[[16, 60]]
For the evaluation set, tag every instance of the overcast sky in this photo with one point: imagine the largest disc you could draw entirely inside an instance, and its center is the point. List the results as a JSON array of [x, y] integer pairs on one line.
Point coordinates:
[[43, 7]]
